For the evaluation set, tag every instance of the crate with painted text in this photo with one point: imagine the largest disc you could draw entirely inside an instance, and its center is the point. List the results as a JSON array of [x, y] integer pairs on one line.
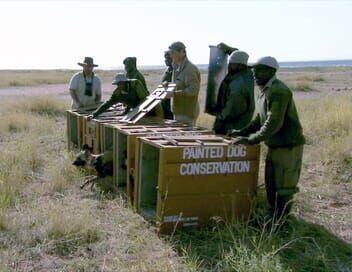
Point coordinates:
[[184, 182]]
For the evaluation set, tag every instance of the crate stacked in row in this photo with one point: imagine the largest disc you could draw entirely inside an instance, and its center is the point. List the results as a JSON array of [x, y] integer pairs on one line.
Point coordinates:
[[124, 145], [186, 181], [80, 131], [177, 175]]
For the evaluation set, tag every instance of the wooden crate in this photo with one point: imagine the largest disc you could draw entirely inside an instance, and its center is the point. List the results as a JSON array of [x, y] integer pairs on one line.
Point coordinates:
[[77, 123], [184, 182], [92, 135], [106, 129], [75, 129], [119, 145], [125, 145]]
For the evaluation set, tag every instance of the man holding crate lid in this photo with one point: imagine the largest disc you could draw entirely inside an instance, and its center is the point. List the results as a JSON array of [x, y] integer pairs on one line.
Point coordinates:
[[235, 102]]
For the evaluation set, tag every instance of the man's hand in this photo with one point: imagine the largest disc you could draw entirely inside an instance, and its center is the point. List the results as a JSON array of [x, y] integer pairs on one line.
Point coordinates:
[[89, 117], [165, 84], [227, 49], [240, 140]]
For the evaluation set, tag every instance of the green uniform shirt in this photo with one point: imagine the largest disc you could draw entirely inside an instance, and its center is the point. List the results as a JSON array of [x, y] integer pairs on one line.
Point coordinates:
[[135, 74], [165, 103], [167, 76], [132, 97], [277, 122], [187, 79], [235, 103]]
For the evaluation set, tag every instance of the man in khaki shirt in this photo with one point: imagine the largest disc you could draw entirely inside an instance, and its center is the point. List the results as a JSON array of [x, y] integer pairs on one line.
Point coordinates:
[[85, 86], [186, 76]]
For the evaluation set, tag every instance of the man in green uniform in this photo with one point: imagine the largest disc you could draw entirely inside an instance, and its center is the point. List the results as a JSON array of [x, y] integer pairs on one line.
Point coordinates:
[[167, 77], [235, 102], [278, 125], [129, 92], [132, 71], [186, 76]]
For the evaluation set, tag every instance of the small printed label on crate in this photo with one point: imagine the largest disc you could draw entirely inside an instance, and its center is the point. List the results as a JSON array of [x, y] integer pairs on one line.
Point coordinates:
[[176, 218]]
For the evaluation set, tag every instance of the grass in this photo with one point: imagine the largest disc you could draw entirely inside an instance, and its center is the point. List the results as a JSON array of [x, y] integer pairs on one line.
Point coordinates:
[[303, 244], [18, 78], [301, 86], [264, 245], [327, 123], [48, 224]]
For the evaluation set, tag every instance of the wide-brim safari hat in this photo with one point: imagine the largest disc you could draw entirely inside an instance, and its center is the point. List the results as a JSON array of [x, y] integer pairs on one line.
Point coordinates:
[[88, 61]]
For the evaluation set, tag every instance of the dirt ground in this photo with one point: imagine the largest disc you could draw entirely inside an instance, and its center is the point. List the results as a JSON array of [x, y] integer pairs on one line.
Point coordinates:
[[324, 201]]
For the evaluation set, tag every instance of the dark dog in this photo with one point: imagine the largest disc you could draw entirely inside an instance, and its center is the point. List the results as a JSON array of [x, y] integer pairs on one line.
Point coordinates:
[[101, 164]]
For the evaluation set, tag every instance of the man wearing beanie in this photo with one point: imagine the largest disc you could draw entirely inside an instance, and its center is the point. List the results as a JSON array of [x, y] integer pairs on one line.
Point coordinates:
[[278, 125], [235, 103], [132, 72]]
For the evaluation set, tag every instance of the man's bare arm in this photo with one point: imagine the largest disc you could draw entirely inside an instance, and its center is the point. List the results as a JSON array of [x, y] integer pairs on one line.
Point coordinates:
[[75, 97]]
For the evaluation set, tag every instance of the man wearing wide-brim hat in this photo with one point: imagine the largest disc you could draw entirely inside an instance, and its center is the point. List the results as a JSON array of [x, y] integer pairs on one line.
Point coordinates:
[[235, 102], [85, 86], [278, 125]]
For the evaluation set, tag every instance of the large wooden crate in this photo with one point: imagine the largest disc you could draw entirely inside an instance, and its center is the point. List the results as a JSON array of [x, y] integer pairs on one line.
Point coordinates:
[[77, 123], [107, 128], [125, 145], [92, 131], [184, 182], [75, 129], [119, 144]]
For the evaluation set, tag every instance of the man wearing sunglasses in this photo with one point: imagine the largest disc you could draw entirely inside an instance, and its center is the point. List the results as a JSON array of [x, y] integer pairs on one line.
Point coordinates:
[[85, 86]]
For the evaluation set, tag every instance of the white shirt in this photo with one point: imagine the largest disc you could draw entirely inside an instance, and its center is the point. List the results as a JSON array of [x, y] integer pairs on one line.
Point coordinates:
[[78, 85]]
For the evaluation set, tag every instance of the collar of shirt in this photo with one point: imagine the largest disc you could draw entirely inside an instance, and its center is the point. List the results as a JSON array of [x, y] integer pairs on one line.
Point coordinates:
[[268, 84], [179, 67]]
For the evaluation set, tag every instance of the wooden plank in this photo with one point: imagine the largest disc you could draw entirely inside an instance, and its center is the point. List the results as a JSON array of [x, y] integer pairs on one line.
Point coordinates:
[[148, 104]]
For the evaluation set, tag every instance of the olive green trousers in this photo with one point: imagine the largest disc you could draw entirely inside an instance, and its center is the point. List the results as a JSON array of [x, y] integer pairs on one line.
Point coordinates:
[[282, 172]]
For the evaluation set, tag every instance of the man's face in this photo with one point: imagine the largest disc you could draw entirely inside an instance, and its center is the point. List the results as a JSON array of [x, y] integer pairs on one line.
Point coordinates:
[[263, 74], [88, 69], [235, 67], [129, 66], [178, 56], [168, 59]]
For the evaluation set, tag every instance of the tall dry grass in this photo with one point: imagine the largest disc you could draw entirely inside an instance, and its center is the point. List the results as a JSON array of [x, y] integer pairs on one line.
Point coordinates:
[[328, 128]]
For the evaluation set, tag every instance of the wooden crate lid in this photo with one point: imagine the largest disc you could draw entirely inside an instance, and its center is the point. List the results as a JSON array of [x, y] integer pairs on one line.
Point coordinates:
[[160, 130], [165, 141], [148, 122], [149, 103]]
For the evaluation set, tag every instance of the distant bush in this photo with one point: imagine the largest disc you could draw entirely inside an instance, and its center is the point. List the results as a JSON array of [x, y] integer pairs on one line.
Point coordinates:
[[319, 79], [301, 86]]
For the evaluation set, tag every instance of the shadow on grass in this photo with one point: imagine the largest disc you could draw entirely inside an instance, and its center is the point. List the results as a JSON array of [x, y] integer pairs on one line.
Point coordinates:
[[260, 245]]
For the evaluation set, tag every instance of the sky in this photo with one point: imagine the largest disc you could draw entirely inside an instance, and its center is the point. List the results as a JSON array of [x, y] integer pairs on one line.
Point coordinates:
[[58, 34]]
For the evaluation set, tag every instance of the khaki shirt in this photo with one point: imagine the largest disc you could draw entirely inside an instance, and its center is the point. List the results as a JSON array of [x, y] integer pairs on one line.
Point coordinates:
[[78, 85], [187, 79]]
